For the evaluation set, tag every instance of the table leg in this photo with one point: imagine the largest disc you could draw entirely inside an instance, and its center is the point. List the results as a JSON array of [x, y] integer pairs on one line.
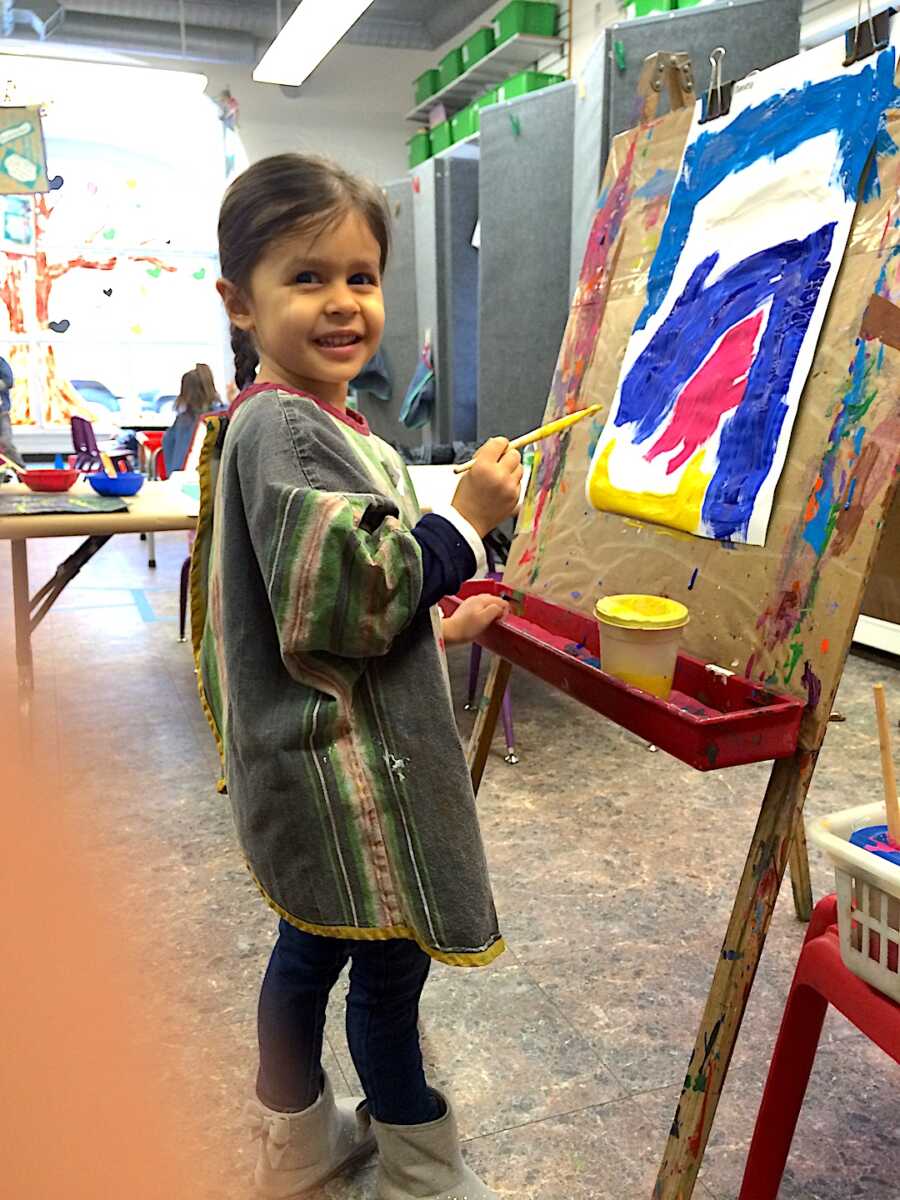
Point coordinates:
[[22, 616], [734, 975]]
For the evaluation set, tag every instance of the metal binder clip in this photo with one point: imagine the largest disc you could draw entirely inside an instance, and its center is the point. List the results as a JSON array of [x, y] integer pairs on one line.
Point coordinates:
[[869, 36], [718, 98]]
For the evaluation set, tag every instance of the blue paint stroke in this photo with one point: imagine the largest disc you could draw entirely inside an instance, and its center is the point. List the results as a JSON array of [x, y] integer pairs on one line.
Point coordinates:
[[851, 105], [818, 530], [885, 146], [660, 185], [858, 440], [790, 276], [693, 579]]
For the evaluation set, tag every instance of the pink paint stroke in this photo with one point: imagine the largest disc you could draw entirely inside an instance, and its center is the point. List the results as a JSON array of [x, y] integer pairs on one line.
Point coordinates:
[[717, 388]]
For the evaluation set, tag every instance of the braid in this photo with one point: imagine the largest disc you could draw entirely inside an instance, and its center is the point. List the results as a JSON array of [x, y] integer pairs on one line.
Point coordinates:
[[246, 360]]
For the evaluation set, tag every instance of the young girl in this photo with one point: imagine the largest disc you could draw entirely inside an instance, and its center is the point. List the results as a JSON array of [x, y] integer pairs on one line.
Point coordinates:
[[314, 583], [197, 395]]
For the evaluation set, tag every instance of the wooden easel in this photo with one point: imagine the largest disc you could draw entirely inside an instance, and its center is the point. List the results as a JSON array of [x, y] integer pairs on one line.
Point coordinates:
[[778, 836]]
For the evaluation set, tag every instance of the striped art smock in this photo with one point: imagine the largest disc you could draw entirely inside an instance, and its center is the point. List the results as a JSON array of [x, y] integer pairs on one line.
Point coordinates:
[[325, 686]]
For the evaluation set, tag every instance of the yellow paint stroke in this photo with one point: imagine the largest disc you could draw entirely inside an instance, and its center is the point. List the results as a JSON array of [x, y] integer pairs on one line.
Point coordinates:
[[680, 509]]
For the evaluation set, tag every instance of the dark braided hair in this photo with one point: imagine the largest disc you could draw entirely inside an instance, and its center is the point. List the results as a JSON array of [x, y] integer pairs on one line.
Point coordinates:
[[277, 196], [246, 360]]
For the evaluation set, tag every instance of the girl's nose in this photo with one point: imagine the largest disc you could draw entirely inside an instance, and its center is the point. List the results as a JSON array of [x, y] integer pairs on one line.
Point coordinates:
[[341, 300]]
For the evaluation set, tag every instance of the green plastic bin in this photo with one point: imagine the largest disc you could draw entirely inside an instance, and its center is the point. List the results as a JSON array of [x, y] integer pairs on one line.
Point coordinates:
[[478, 46], [525, 82], [427, 84], [686, 3], [465, 123], [451, 66], [491, 96], [419, 148], [526, 16], [441, 137], [646, 8]]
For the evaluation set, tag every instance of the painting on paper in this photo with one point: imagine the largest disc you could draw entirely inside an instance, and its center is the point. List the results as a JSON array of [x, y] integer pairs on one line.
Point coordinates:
[[755, 235]]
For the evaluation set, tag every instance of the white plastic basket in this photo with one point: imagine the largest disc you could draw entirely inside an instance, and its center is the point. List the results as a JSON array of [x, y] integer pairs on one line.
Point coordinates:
[[868, 893]]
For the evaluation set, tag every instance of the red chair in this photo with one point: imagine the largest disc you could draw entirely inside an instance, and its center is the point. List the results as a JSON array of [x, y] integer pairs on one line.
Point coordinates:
[[152, 459], [820, 979]]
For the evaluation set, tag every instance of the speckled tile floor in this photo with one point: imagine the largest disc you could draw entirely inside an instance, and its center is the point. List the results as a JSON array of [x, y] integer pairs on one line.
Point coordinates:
[[614, 871]]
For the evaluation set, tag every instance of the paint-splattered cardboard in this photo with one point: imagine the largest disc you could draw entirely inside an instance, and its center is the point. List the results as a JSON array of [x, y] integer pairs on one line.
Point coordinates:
[[783, 614], [882, 598]]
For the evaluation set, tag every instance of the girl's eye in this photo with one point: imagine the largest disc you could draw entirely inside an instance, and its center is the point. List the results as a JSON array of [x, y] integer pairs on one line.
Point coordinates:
[[363, 279], [306, 277]]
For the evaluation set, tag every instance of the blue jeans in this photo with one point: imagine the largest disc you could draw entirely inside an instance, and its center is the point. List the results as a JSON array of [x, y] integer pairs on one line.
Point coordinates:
[[386, 981]]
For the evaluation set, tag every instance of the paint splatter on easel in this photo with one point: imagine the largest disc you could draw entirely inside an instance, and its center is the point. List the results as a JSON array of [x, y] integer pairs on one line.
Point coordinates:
[[588, 310]]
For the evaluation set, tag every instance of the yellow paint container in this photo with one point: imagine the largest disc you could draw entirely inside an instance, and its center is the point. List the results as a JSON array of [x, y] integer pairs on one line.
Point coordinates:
[[639, 640]]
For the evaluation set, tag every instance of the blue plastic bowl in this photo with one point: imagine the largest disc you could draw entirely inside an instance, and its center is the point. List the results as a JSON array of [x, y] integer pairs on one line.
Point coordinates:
[[129, 483]]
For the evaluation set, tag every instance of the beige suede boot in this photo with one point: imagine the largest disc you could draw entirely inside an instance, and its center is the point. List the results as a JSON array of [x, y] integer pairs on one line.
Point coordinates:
[[424, 1162], [300, 1151]]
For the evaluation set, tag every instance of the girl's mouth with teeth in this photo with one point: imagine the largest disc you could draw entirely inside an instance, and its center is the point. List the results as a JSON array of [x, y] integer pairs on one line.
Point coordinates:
[[338, 340]]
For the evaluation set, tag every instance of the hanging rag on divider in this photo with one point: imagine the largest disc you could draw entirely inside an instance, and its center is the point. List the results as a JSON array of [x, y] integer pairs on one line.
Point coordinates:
[[375, 378], [418, 404]]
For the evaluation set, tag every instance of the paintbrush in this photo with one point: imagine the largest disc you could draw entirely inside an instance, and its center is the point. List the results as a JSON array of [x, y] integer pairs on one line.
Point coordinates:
[[8, 462], [887, 767], [538, 435], [109, 467]]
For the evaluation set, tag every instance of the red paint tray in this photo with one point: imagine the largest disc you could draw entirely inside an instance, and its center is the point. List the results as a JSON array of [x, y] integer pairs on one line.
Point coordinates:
[[710, 721]]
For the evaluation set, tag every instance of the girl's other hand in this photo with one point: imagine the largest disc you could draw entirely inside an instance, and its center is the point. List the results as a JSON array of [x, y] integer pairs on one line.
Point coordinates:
[[472, 618]]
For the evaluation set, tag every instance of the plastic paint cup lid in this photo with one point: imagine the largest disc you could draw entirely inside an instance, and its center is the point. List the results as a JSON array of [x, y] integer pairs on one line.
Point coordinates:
[[642, 612]]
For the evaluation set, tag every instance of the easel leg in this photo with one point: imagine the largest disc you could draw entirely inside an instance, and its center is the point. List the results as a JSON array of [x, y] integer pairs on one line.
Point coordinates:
[[22, 618], [734, 975], [799, 868], [486, 721]]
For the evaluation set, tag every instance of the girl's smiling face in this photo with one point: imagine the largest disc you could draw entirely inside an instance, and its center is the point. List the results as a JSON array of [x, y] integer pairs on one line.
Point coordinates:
[[314, 307]]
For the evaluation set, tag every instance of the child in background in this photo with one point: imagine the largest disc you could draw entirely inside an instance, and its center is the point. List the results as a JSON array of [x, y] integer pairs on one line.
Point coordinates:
[[204, 372], [197, 395], [7, 445], [322, 672]]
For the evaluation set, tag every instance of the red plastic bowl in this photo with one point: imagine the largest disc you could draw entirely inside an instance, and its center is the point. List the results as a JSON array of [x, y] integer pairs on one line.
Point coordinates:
[[52, 480]]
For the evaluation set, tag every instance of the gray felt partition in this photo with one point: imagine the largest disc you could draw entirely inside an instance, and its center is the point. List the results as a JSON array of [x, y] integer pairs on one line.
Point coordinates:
[[401, 332], [445, 212], [527, 152], [755, 33]]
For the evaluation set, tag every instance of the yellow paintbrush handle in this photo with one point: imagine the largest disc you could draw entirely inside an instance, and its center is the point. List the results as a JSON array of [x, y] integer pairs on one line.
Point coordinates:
[[538, 435]]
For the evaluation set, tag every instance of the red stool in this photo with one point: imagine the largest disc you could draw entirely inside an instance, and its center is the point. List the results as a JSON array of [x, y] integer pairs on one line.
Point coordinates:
[[820, 979]]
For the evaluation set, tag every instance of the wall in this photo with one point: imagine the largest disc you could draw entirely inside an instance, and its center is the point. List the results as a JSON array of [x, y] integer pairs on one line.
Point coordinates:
[[352, 108]]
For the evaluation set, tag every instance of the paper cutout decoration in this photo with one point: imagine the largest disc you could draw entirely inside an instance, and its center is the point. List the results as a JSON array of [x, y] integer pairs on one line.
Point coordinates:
[[757, 228], [23, 162]]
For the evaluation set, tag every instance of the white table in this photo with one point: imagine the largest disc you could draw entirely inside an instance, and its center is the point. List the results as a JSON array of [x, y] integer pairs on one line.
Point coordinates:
[[156, 508]]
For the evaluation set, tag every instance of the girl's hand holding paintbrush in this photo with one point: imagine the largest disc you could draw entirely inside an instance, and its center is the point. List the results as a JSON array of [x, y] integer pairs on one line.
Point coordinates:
[[488, 493]]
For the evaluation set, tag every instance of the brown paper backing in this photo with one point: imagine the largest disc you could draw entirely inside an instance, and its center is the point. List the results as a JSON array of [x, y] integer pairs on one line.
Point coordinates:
[[781, 614]]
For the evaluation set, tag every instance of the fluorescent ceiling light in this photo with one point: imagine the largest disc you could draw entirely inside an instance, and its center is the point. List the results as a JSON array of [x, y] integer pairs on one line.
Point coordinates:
[[310, 33]]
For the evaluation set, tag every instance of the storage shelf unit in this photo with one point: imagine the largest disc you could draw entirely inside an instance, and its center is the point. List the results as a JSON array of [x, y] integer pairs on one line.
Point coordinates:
[[518, 52]]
